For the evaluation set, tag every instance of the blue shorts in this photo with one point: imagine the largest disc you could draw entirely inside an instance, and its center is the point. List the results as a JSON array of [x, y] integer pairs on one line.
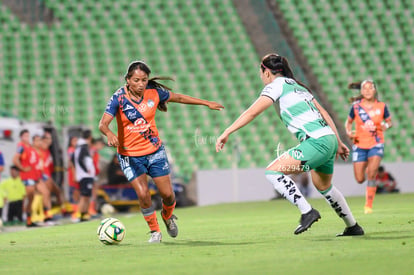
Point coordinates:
[[154, 165], [29, 182], [362, 155], [45, 177]]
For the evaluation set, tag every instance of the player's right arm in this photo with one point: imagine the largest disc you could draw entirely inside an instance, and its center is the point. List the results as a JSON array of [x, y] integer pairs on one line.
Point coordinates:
[[109, 114], [104, 128], [17, 162], [348, 124]]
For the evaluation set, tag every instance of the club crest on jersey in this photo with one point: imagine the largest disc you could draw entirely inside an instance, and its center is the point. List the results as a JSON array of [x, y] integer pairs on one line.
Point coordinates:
[[151, 103]]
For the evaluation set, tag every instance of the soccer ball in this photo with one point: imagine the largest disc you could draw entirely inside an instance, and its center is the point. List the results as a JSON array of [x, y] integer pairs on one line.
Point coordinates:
[[111, 231], [107, 209]]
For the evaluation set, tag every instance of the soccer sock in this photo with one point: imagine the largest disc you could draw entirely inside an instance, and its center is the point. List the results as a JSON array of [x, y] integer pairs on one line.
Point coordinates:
[[47, 213], [288, 189], [84, 216], [92, 207], [370, 193], [167, 210], [338, 203], [151, 217], [28, 218]]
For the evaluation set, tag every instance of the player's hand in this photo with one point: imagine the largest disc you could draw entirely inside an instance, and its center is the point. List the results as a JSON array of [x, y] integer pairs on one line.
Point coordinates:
[[113, 140], [26, 168], [343, 151], [215, 106], [351, 134], [221, 141]]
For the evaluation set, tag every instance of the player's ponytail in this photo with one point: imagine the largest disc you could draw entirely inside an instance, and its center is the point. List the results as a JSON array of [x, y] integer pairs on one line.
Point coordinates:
[[279, 64], [358, 86], [152, 82]]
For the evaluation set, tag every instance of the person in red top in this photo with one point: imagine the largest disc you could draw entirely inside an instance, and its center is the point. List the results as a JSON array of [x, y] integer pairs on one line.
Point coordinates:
[[41, 185], [372, 119], [386, 182], [48, 167], [140, 149], [97, 145], [26, 160], [74, 193]]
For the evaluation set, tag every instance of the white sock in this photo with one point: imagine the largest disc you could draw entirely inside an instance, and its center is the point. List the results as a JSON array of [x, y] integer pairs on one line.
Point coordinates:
[[288, 189], [338, 203]]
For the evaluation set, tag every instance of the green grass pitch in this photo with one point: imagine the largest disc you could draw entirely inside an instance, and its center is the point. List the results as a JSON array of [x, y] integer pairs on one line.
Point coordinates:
[[241, 238]]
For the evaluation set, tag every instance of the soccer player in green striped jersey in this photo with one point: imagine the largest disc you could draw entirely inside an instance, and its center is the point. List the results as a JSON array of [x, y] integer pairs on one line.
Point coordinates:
[[319, 142]]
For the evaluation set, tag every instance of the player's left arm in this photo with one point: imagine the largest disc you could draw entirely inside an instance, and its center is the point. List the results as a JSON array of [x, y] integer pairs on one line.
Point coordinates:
[[387, 118], [185, 99], [343, 150]]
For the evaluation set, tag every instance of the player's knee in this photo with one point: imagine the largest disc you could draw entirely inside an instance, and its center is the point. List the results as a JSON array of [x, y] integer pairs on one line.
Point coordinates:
[[145, 201], [360, 180], [168, 198]]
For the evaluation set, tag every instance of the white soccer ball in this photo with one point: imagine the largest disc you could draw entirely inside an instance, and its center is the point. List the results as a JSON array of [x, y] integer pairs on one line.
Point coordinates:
[[107, 209], [111, 231]]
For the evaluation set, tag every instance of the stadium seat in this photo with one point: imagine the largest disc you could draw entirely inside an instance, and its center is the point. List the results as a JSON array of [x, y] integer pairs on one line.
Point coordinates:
[[369, 40]]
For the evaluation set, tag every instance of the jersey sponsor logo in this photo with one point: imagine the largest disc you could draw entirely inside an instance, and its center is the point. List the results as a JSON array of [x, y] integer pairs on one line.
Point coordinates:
[[336, 206], [128, 107], [297, 153], [363, 115], [141, 125], [369, 126], [290, 187], [290, 81], [132, 115]]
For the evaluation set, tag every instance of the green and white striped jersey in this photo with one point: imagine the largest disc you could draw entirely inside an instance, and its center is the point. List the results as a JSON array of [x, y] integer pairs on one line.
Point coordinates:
[[294, 104]]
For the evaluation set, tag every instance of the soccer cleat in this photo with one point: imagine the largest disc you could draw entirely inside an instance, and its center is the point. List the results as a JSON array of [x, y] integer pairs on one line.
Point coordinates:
[[355, 230], [306, 221], [172, 228], [156, 237], [367, 210], [32, 224]]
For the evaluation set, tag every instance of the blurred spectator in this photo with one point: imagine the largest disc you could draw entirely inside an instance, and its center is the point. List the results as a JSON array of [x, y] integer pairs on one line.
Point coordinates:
[[115, 173], [2, 201], [385, 182], [97, 145], [26, 159], [73, 184], [41, 186], [1, 164], [15, 192], [84, 171], [48, 167]]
